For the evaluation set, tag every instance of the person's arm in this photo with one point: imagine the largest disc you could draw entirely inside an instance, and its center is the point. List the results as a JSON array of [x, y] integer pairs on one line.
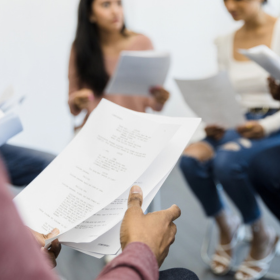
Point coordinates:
[[271, 124], [79, 97], [136, 262], [145, 240], [20, 256]]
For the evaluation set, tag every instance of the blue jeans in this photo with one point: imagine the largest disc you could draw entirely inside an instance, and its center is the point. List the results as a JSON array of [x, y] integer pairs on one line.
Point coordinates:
[[177, 274], [230, 169], [24, 165], [265, 176]]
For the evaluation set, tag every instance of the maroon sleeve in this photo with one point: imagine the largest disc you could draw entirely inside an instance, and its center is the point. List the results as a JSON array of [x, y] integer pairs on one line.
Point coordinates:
[[136, 262], [20, 256]]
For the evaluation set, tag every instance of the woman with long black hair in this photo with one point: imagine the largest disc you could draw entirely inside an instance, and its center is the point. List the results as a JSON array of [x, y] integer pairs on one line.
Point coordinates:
[[101, 37]]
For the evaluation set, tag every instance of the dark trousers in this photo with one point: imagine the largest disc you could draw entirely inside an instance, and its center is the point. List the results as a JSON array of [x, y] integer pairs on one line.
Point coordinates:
[[265, 176], [177, 274], [24, 165]]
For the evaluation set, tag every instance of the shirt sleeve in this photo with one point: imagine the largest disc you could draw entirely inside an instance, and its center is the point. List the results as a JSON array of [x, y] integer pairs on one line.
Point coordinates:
[[20, 256], [271, 124], [136, 262]]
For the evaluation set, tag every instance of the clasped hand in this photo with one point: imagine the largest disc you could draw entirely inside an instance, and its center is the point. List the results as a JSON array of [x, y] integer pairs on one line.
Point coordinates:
[[250, 130]]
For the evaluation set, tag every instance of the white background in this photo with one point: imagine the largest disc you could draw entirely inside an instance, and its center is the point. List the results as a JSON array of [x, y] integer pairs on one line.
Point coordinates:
[[35, 40]]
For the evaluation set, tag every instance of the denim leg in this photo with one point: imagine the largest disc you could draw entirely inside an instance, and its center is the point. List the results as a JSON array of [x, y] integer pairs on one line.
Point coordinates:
[[23, 164], [200, 179], [265, 176], [177, 274], [231, 170]]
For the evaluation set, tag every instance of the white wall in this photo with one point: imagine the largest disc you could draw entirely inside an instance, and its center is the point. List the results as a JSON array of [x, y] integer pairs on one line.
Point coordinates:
[[35, 41]]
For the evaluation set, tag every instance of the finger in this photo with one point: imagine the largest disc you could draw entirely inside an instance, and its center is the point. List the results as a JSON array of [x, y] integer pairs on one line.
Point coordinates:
[[173, 230], [50, 256], [52, 234], [135, 198], [173, 213], [155, 88], [55, 248]]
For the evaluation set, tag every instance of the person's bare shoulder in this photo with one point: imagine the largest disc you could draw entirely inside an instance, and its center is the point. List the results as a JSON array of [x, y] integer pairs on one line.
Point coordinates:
[[139, 41]]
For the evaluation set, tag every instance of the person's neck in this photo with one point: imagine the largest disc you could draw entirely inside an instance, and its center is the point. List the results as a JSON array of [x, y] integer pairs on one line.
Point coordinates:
[[109, 38], [256, 22]]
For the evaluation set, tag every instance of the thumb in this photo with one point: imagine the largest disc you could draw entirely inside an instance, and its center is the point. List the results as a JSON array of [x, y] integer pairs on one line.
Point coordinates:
[[135, 198], [53, 233]]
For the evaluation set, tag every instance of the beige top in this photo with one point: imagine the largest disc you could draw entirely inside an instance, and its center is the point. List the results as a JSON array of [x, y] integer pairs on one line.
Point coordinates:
[[248, 79], [136, 103]]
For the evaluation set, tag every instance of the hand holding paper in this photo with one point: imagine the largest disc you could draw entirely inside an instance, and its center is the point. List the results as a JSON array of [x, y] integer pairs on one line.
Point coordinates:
[[138, 72], [116, 149]]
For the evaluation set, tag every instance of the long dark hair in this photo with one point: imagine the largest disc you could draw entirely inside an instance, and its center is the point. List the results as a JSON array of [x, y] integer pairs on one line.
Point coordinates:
[[89, 57]]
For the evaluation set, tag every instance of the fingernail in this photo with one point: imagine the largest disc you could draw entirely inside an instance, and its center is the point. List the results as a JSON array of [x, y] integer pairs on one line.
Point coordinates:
[[91, 97], [136, 189], [55, 231]]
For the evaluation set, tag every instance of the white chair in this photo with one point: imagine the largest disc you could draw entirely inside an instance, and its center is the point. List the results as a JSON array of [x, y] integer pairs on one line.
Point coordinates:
[[205, 251]]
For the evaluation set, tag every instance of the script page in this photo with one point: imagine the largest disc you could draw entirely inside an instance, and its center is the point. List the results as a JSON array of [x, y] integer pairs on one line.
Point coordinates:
[[104, 220], [137, 72], [113, 149], [214, 100], [109, 243], [266, 58]]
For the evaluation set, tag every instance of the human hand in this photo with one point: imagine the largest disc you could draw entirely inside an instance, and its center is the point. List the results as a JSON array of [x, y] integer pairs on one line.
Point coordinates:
[[82, 98], [251, 130], [54, 250], [160, 94], [215, 131], [274, 88], [156, 230]]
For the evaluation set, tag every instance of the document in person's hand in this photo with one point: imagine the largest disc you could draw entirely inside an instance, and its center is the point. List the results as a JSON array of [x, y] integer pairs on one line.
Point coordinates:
[[266, 58], [84, 191], [213, 99], [138, 71]]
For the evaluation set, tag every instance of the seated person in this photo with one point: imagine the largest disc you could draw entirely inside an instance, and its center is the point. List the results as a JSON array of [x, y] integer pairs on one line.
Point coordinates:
[[23, 164], [145, 240], [224, 156], [264, 170], [101, 37]]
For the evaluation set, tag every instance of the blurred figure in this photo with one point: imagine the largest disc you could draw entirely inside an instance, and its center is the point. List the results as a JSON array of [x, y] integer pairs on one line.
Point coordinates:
[[224, 156], [101, 37], [264, 170], [145, 241], [24, 164]]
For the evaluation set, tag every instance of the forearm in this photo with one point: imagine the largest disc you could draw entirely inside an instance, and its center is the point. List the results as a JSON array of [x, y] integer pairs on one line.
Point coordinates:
[[136, 262], [271, 124]]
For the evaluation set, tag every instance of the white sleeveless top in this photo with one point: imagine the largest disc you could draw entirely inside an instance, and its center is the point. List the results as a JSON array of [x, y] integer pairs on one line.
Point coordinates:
[[248, 79]]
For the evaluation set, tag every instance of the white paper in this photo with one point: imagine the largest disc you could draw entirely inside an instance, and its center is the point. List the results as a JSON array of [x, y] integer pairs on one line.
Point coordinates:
[[10, 125], [138, 71], [113, 149], [100, 223], [162, 139], [214, 100], [266, 58], [109, 243]]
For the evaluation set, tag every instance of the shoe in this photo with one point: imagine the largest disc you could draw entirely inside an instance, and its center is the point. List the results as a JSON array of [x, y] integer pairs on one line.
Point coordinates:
[[223, 257], [263, 264]]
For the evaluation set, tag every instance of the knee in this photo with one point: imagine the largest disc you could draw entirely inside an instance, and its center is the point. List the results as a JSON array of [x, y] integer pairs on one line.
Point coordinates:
[[228, 165], [188, 165]]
